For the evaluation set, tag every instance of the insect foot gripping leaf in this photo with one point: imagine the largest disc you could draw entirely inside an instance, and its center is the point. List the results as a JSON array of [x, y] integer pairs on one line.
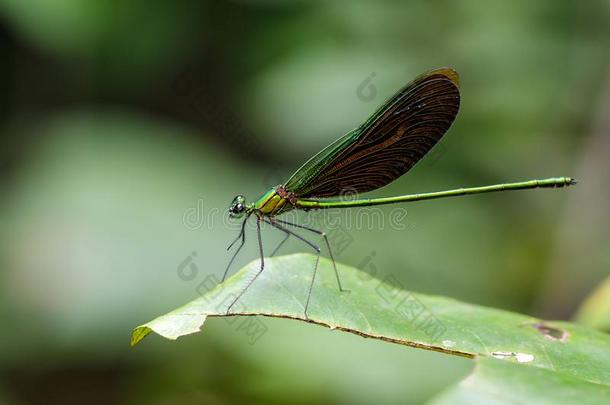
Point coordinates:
[[526, 348]]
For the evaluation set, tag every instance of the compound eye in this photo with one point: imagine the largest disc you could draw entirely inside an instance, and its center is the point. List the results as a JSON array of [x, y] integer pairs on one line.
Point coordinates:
[[238, 206]]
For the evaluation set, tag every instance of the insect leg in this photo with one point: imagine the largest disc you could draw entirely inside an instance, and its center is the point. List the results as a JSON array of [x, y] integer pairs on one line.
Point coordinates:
[[330, 251], [280, 244], [242, 235], [313, 246], [258, 273]]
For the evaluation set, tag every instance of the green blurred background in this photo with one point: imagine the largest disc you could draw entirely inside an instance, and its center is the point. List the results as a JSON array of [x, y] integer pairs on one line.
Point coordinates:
[[120, 118]]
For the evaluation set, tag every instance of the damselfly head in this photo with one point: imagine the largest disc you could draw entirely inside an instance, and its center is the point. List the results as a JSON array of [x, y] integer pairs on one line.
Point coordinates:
[[238, 207]]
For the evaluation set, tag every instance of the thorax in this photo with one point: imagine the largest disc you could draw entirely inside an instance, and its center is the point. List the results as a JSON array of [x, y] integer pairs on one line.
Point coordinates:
[[275, 201]]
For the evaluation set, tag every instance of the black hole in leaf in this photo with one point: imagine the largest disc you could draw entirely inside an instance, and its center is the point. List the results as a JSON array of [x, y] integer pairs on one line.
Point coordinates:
[[551, 332]]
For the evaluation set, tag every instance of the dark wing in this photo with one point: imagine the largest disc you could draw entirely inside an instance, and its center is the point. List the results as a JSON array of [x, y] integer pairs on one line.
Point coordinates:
[[388, 144]]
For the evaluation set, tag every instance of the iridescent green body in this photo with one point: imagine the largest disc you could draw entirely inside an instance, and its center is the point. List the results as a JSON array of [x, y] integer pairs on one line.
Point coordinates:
[[272, 203]]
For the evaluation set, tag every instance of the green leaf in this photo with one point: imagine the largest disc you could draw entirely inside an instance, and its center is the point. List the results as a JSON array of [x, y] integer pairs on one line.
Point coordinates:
[[595, 310], [382, 309], [499, 382]]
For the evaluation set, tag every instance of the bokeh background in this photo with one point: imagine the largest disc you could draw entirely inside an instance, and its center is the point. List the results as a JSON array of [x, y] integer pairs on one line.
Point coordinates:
[[118, 120]]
